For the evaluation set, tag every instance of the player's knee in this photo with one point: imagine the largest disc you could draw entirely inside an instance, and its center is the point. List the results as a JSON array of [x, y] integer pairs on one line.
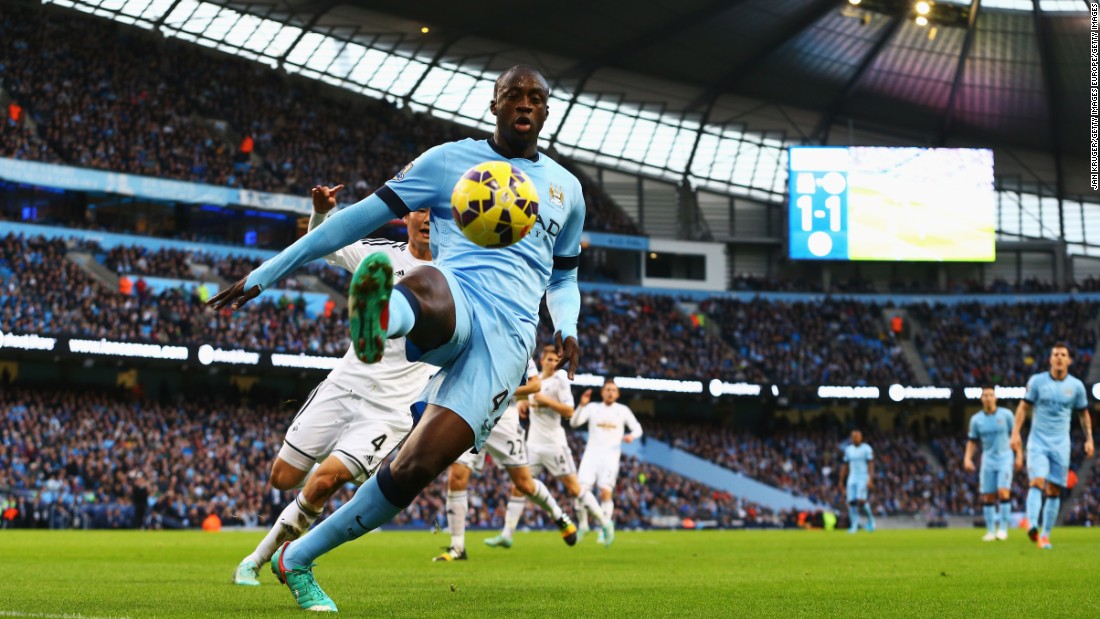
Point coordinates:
[[413, 472], [285, 476], [574, 489], [458, 478]]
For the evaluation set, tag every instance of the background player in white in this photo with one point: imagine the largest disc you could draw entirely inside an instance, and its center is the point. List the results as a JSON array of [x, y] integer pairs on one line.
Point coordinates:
[[857, 474], [547, 445], [357, 415], [992, 427], [607, 422], [508, 448], [1053, 395]]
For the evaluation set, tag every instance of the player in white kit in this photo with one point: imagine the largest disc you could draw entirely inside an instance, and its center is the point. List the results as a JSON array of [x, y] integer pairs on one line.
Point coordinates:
[[548, 447], [508, 447], [357, 415], [607, 424]]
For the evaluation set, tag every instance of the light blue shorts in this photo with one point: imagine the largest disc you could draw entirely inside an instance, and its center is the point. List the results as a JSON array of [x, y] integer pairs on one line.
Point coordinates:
[[1045, 462], [857, 490], [995, 475], [482, 365]]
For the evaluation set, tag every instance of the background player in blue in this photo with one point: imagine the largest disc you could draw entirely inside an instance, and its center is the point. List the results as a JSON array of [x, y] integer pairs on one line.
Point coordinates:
[[473, 312], [992, 427], [857, 474], [1054, 396]]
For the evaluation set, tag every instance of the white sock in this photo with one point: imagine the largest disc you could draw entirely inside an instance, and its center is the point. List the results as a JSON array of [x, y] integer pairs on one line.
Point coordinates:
[[608, 509], [589, 505], [581, 510], [456, 518], [515, 512], [291, 524], [541, 497]]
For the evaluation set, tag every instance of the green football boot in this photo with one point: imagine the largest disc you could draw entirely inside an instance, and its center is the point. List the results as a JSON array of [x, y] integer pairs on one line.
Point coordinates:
[[301, 583], [369, 306]]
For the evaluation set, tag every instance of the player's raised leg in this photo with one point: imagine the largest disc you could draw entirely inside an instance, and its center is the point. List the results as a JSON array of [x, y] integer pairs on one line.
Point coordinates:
[[516, 503], [540, 495]]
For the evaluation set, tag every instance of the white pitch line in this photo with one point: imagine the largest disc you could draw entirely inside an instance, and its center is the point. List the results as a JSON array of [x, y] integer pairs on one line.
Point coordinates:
[[15, 613]]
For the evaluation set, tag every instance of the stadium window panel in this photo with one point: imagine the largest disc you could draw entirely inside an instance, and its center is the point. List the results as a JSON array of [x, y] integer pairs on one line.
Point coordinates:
[[346, 60], [179, 15], [302, 52], [1048, 219], [766, 166], [221, 24], [388, 73], [1074, 220], [322, 57], [558, 104], [407, 78], [1091, 217], [111, 5], [200, 19], [779, 184], [368, 66], [659, 147], [745, 166], [449, 87], [261, 36], [1030, 210], [639, 139], [707, 155], [282, 41], [1008, 213], [242, 31], [593, 134], [618, 133], [574, 124], [681, 148], [144, 9]]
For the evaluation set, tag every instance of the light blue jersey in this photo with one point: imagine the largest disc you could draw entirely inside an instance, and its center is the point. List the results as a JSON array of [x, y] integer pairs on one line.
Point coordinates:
[[516, 276], [1055, 402], [994, 431], [858, 459]]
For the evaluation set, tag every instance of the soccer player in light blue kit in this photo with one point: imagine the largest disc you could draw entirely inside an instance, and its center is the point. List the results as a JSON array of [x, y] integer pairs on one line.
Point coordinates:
[[857, 474], [1053, 396], [473, 312], [992, 427]]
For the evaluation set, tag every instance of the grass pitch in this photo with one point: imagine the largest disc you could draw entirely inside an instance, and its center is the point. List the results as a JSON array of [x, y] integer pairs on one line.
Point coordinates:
[[942, 573]]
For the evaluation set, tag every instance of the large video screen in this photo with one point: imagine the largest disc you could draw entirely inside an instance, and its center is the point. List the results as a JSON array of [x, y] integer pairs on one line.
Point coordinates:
[[877, 203]]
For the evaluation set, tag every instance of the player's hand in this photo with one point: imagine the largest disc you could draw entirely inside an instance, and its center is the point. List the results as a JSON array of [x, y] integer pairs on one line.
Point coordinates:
[[1089, 448], [628, 439], [569, 353], [522, 406], [870, 484], [1019, 463], [540, 399], [1015, 443], [586, 397], [324, 198], [968, 464], [234, 296]]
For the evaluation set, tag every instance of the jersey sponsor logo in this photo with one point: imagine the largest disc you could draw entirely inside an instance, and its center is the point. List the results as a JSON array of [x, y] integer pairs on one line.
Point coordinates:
[[557, 195], [552, 228]]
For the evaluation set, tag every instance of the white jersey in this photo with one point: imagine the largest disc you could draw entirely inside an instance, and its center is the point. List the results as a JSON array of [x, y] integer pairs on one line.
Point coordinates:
[[512, 413], [606, 426], [393, 382], [546, 428]]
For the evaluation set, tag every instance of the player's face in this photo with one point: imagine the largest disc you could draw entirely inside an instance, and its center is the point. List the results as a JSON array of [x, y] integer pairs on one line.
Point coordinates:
[[989, 399], [857, 438], [418, 223], [520, 105], [1059, 359], [610, 393], [549, 358]]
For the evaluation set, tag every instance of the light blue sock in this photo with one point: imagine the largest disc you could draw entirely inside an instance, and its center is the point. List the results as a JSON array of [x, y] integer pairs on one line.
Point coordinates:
[[1006, 514], [402, 316], [1050, 514], [853, 514], [366, 511], [870, 515], [1034, 505], [990, 515]]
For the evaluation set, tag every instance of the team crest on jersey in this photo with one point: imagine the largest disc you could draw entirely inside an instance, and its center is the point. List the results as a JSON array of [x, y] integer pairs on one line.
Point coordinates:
[[557, 195], [400, 176], [1069, 392]]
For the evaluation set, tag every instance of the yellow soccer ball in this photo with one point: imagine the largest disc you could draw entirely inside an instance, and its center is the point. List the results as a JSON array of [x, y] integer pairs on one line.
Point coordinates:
[[495, 204]]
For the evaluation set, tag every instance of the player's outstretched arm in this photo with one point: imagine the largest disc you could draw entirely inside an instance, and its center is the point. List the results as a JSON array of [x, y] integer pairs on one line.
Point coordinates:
[[843, 474], [1086, 426], [634, 427], [1022, 412], [560, 408], [870, 473], [533, 385], [968, 459], [580, 417], [344, 227]]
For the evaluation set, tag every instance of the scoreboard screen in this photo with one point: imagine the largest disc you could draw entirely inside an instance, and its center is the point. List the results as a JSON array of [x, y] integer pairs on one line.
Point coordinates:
[[878, 203]]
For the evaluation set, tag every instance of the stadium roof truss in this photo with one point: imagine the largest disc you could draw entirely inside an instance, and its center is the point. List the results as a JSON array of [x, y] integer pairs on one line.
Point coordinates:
[[672, 89]]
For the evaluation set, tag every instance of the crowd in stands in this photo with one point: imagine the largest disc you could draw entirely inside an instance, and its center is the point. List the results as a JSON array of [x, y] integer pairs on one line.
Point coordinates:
[[975, 343], [90, 458], [169, 109], [833, 341]]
